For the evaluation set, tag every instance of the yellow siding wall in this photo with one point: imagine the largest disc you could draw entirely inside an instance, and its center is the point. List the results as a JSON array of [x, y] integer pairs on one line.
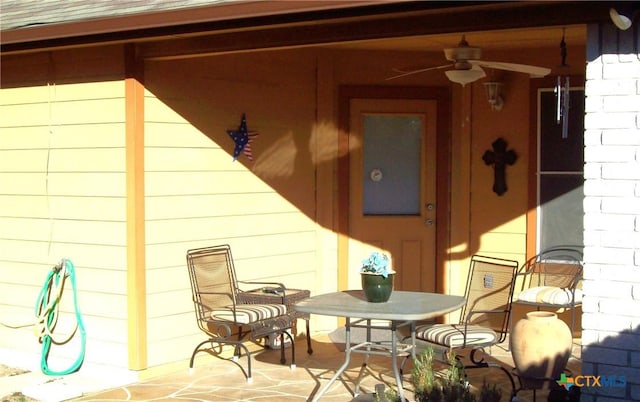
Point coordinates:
[[197, 196], [62, 195], [63, 184]]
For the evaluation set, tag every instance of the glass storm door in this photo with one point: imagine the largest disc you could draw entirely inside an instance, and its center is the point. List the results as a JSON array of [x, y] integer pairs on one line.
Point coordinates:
[[392, 188]]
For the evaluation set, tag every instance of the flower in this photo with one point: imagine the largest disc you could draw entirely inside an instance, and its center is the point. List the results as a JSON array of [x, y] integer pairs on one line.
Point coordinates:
[[376, 263]]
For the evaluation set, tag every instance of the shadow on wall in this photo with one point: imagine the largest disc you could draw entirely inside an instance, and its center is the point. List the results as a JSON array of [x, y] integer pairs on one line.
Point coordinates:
[[611, 366]]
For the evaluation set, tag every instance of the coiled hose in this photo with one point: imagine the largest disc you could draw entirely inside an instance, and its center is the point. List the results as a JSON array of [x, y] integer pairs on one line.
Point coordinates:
[[46, 310]]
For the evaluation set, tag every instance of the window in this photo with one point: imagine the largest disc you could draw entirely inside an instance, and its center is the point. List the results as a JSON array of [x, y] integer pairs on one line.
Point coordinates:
[[392, 152], [560, 172]]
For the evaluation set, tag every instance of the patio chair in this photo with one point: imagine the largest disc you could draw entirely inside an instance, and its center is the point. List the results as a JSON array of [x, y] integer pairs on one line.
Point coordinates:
[[553, 280], [222, 313], [484, 318]]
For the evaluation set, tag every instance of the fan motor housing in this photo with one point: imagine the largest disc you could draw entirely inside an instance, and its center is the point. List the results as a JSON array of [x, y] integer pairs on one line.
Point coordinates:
[[462, 53]]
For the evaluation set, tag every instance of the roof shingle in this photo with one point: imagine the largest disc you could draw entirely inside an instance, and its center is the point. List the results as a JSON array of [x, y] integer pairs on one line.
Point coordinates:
[[16, 14]]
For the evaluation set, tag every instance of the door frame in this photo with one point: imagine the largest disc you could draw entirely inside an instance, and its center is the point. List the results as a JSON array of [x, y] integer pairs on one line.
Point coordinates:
[[442, 96]]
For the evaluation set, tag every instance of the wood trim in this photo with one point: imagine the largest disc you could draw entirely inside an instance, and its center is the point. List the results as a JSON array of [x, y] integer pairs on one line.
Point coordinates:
[[136, 262], [443, 144]]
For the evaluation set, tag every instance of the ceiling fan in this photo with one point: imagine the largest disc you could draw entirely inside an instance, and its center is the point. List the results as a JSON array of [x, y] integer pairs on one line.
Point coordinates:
[[467, 66]]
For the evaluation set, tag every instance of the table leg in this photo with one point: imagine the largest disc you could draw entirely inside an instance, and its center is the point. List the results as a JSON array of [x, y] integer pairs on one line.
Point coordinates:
[[412, 331], [363, 367], [394, 360], [344, 366]]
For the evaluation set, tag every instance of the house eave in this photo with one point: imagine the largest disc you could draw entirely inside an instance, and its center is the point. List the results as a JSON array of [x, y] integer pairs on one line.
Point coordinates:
[[238, 27], [222, 16]]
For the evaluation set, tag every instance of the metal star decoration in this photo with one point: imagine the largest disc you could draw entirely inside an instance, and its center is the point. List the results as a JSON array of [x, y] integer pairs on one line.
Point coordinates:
[[243, 138]]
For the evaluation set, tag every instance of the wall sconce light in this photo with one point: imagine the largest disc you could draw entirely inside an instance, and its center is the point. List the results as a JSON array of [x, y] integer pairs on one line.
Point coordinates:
[[492, 89], [623, 15]]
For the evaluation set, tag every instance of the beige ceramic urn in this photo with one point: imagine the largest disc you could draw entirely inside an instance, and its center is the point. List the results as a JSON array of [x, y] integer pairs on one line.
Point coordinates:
[[541, 347]]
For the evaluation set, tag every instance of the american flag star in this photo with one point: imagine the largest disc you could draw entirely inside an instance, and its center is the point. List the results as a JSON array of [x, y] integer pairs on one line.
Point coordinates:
[[243, 138]]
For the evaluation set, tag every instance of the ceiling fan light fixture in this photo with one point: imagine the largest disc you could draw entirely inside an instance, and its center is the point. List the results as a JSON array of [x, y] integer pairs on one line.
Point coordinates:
[[464, 77]]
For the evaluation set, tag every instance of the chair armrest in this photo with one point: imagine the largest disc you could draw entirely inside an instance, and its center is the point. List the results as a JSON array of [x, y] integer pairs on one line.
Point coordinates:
[[276, 284], [261, 295]]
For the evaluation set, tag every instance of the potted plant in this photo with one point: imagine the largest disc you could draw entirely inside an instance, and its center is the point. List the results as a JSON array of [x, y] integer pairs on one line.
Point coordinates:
[[377, 277]]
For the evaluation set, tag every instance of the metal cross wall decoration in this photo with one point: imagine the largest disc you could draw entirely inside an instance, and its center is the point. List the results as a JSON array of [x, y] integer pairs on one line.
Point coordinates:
[[499, 158]]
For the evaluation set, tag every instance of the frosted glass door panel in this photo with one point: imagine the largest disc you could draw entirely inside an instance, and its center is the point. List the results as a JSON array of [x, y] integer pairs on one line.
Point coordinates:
[[391, 164]]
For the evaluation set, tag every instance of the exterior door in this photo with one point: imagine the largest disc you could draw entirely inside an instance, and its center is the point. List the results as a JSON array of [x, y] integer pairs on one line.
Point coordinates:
[[393, 188]]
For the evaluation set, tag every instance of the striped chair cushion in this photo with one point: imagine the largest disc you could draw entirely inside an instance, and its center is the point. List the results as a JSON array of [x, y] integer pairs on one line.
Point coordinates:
[[248, 313], [549, 295], [452, 336]]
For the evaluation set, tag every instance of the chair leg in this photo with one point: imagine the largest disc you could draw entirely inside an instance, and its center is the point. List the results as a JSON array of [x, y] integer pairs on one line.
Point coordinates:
[[481, 363], [293, 350], [195, 351], [282, 359], [237, 346], [236, 351]]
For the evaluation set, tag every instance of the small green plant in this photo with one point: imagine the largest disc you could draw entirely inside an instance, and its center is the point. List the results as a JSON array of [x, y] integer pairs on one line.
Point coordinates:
[[450, 386], [422, 376], [383, 395], [428, 388], [490, 393]]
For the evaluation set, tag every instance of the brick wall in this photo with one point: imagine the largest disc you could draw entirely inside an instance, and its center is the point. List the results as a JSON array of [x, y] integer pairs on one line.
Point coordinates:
[[611, 310]]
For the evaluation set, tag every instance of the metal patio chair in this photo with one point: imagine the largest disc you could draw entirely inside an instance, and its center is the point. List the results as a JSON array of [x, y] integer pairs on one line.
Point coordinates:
[[553, 280], [223, 314], [484, 318]]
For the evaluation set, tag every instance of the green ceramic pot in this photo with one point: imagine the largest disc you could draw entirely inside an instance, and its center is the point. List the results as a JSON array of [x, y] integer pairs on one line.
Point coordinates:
[[377, 289]]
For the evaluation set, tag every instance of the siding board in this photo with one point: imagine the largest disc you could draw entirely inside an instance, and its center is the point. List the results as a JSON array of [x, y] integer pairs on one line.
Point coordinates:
[[216, 182], [227, 226], [202, 205], [25, 137], [24, 161], [89, 184], [80, 208], [189, 159], [87, 160], [87, 136], [175, 134], [169, 304], [23, 183]]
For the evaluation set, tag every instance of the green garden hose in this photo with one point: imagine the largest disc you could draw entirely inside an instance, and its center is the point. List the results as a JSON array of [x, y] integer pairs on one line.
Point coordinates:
[[47, 307]]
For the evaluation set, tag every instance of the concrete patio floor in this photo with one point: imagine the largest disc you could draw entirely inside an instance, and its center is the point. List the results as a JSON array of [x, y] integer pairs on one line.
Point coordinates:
[[217, 380]]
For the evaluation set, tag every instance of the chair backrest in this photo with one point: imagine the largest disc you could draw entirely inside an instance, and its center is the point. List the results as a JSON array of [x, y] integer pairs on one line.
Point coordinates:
[[213, 281], [489, 292], [559, 266]]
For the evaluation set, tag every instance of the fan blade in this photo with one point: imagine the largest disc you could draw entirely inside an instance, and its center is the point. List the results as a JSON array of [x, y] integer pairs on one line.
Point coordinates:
[[534, 71], [422, 70]]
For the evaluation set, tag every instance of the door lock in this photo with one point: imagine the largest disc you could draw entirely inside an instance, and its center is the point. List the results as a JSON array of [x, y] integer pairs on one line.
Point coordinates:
[[428, 222]]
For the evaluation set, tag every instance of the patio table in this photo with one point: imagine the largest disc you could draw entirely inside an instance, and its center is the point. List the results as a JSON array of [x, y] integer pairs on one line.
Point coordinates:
[[403, 308]]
